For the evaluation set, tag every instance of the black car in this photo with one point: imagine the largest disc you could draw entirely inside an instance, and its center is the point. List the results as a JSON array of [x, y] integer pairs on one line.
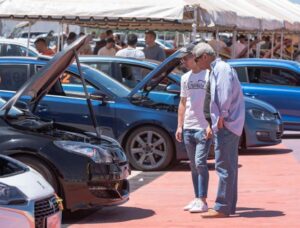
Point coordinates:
[[85, 168]]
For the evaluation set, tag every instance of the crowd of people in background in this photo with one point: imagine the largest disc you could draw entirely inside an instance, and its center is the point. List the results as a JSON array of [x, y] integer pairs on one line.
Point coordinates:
[[246, 47], [111, 44]]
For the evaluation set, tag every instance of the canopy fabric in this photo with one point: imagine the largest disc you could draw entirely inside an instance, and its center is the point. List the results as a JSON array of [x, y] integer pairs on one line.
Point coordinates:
[[242, 14], [160, 14], [172, 14]]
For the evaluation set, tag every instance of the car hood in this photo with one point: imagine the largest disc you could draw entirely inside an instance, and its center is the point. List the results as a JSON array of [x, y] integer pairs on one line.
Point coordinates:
[[39, 84], [27, 180], [255, 103], [159, 73]]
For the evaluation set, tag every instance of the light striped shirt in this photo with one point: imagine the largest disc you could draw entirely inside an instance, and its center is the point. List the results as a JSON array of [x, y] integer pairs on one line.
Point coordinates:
[[227, 98]]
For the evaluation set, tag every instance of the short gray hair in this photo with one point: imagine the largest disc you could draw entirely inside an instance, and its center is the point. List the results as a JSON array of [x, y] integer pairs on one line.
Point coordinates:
[[203, 48]]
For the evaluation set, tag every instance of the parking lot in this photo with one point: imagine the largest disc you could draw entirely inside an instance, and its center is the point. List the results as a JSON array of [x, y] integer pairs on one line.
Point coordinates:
[[268, 194]]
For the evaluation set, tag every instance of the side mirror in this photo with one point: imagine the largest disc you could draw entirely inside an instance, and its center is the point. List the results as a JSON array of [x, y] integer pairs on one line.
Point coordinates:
[[22, 105], [98, 96], [173, 88]]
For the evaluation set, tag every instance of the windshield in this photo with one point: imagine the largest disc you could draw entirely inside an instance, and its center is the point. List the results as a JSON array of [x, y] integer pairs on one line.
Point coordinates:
[[97, 77], [167, 44], [12, 112]]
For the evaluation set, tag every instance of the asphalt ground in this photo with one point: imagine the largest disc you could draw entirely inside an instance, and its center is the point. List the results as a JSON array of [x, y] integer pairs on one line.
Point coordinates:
[[269, 194]]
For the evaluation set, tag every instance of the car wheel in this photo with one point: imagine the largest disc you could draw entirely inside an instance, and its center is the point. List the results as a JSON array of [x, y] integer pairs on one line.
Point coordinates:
[[149, 148], [40, 167]]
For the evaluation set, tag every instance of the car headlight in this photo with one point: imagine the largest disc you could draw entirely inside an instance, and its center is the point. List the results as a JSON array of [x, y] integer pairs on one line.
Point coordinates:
[[96, 153], [10, 195], [262, 115]]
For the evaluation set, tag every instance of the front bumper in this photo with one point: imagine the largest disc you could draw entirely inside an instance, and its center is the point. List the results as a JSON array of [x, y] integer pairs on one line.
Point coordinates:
[[42, 213], [265, 133], [106, 185]]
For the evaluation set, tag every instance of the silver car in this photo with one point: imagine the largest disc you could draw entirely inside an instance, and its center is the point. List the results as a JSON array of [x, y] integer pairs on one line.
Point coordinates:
[[26, 198]]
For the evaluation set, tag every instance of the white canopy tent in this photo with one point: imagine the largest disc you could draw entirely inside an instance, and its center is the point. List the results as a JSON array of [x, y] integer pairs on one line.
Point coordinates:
[[248, 15]]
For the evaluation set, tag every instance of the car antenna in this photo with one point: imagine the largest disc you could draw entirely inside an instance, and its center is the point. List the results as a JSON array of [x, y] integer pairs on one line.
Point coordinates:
[[92, 113]]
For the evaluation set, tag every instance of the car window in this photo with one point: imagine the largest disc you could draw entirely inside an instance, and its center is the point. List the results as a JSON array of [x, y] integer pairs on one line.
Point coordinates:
[[242, 74], [72, 85], [274, 76], [30, 53], [12, 77], [132, 74], [14, 50], [104, 67]]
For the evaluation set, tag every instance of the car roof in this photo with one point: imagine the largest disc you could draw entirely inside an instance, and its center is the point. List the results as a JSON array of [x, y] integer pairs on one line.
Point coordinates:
[[36, 60], [90, 58], [265, 62]]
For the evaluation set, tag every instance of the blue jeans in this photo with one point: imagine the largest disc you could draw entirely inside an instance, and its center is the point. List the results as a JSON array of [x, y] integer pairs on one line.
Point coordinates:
[[197, 148], [226, 154]]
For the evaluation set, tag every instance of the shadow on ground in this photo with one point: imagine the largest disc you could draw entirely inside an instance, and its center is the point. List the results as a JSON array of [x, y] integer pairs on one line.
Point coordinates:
[[291, 136], [264, 151], [116, 215], [257, 213]]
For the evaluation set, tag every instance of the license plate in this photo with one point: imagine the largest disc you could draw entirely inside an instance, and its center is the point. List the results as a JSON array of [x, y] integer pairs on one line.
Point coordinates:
[[54, 221]]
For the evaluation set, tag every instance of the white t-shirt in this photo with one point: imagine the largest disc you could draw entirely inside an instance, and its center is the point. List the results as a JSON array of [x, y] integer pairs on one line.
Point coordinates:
[[131, 52], [193, 88], [107, 52]]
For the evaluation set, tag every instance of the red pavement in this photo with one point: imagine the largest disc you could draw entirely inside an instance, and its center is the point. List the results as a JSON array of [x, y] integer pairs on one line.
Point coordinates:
[[269, 196]]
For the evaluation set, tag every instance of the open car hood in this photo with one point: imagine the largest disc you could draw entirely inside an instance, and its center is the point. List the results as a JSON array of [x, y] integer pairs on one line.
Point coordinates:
[[40, 83], [158, 74]]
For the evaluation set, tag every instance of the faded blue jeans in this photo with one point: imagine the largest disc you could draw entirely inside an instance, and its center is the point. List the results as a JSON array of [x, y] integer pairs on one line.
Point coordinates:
[[226, 154], [197, 148]]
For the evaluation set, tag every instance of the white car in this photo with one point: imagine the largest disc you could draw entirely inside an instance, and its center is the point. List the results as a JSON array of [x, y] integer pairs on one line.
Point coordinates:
[[163, 44], [26, 198], [11, 47]]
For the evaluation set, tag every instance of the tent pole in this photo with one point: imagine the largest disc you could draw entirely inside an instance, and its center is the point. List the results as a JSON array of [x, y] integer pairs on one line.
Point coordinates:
[[28, 38], [272, 45], [194, 25], [58, 38], [177, 39], [258, 45], [62, 36], [281, 45], [218, 39], [248, 46], [233, 44]]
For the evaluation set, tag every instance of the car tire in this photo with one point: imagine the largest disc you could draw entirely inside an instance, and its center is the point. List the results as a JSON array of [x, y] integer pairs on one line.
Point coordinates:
[[40, 167], [149, 148]]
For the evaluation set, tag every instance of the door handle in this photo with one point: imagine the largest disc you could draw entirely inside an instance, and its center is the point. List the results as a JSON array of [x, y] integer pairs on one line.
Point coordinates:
[[42, 108], [253, 95]]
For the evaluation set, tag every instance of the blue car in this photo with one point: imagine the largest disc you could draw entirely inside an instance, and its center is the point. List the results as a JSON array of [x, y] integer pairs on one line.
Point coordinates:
[[271, 80], [274, 81], [143, 120]]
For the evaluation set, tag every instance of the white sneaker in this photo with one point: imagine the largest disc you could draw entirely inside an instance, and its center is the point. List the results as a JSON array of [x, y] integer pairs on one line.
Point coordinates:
[[190, 205], [199, 207]]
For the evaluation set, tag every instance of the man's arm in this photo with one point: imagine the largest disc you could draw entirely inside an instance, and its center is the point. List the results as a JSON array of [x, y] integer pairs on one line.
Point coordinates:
[[181, 112], [224, 92]]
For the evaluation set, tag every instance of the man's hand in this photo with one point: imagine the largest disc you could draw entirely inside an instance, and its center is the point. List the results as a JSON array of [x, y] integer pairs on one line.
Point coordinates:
[[178, 134], [220, 123], [208, 133]]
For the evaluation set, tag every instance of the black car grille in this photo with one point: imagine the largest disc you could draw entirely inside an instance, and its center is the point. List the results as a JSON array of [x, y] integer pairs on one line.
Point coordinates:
[[110, 190], [44, 208], [278, 135]]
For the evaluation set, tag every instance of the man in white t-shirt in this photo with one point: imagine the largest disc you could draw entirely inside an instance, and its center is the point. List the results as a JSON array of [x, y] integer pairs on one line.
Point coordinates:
[[131, 50], [192, 125]]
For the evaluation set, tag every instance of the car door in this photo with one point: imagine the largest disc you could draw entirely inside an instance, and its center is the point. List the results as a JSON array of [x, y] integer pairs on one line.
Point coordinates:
[[277, 86], [67, 104], [12, 77]]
